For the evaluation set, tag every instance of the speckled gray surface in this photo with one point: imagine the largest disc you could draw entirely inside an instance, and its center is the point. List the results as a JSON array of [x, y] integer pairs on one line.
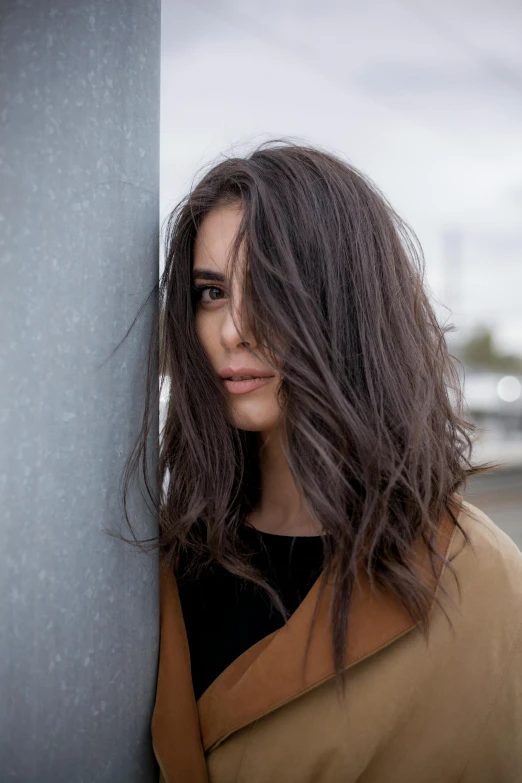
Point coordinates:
[[79, 158]]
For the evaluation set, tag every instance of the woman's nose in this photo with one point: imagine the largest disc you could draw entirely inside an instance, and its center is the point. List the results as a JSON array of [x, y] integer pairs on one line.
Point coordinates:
[[234, 320]]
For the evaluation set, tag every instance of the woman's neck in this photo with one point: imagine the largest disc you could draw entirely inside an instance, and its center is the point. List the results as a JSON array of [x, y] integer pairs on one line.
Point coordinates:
[[281, 509]]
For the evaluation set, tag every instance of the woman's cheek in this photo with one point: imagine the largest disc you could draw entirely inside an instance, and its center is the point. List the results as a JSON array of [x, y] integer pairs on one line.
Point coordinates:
[[206, 331]]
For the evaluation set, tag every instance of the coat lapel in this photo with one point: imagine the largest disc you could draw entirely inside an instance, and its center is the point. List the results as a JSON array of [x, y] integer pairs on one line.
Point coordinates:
[[176, 735], [270, 673]]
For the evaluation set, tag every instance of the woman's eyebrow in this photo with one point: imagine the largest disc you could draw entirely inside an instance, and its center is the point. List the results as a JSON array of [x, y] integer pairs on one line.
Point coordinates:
[[208, 274]]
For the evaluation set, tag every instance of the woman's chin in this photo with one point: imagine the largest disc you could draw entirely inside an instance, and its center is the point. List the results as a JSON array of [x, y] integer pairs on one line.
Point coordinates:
[[253, 420]]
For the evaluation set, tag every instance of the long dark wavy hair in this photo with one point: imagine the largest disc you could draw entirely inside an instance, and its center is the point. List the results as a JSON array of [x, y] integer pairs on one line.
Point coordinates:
[[371, 421]]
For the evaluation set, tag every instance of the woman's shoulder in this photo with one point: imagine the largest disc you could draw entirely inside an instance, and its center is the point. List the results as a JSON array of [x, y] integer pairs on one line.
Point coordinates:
[[485, 534], [492, 563]]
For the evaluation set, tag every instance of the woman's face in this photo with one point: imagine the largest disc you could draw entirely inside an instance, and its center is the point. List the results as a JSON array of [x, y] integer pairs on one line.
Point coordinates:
[[252, 405]]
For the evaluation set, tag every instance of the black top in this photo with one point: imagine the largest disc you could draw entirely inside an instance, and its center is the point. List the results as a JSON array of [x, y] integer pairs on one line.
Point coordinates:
[[225, 615]]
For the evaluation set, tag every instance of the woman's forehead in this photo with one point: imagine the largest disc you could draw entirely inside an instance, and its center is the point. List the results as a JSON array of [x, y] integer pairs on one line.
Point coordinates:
[[215, 238]]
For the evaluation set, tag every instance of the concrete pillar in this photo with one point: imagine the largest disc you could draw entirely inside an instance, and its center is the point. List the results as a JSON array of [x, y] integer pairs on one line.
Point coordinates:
[[79, 138]]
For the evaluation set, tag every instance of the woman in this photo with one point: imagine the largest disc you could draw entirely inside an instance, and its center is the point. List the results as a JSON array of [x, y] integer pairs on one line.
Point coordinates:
[[332, 610]]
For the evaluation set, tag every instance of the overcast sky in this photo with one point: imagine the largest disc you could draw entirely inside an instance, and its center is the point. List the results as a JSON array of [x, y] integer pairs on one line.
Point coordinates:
[[424, 97]]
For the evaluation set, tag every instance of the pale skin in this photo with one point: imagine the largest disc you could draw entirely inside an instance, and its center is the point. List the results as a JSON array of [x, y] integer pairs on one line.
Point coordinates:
[[281, 509]]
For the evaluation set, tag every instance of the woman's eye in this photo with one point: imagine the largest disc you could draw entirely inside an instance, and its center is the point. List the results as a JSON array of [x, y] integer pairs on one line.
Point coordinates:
[[212, 289]]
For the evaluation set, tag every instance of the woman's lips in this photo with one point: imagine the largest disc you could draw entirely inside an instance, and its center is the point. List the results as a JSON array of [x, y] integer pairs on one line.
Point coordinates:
[[240, 387]]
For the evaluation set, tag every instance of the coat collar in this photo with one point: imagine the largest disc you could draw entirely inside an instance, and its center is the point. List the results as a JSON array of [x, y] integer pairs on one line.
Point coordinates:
[[270, 673]]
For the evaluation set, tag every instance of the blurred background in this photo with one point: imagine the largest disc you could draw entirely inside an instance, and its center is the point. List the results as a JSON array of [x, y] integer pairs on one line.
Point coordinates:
[[426, 99]]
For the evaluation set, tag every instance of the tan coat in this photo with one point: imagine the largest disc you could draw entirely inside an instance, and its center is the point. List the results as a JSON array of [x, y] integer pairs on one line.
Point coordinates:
[[446, 712]]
